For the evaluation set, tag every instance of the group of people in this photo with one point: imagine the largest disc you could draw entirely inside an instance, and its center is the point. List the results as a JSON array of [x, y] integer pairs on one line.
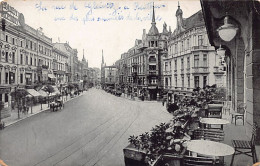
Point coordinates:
[[177, 103]]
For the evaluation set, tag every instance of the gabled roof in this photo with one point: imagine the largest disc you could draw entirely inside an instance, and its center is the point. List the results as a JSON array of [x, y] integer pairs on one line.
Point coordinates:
[[194, 20]]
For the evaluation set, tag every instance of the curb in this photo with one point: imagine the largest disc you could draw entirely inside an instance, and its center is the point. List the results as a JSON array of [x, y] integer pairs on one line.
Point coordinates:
[[7, 125]]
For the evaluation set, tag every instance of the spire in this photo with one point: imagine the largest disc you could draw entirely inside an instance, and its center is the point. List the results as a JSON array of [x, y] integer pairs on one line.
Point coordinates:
[[179, 11], [153, 19], [153, 30], [102, 57], [83, 59]]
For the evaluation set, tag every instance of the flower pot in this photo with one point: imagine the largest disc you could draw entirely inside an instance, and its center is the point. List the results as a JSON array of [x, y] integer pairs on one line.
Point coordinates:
[[134, 156]]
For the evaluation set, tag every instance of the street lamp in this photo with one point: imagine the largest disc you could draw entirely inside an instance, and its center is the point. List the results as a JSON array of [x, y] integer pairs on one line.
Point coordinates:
[[227, 31], [221, 51]]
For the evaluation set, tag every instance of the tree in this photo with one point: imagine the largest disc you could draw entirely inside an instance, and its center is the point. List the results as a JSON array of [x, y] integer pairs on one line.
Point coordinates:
[[2, 124], [18, 95], [1, 107], [70, 87], [40, 98], [49, 89]]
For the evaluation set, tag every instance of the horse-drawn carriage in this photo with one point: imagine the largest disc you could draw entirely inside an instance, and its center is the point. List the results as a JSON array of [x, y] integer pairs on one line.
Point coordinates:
[[58, 104]]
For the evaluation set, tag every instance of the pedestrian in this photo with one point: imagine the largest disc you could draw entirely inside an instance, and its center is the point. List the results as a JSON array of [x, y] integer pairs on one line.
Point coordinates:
[[163, 101]]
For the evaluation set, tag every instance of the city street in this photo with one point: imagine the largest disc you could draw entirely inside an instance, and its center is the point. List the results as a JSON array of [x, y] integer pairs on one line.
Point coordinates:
[[93, 129]]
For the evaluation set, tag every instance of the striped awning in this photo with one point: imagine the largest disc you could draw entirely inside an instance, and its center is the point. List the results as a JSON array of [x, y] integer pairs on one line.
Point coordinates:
[[33, 92]]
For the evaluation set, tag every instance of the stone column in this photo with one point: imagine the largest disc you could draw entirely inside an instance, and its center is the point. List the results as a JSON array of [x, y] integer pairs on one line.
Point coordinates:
[[253, 75]]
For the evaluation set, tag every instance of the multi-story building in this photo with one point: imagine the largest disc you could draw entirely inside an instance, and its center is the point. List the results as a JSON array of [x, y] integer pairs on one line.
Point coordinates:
[[25, 54], [110, 76], [60, 60], [96, 76], [140, 69], [191, 61], [69, 67]]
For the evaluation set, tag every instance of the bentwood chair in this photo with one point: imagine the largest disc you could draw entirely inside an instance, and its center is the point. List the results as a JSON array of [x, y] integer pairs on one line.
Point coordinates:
[[200, 161], [227, 107], [245, 146], [240, 114], [209, 134]]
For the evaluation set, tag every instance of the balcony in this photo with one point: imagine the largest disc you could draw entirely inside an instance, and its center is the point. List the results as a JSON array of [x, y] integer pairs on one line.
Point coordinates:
[[134, 64], [45, 67], [39, 68], [142, 46], [182, 71], [134, 74], [199, 48], [200, 70], [218, 70], [168, 72], [152, 61], [188, 70], [152, 72]]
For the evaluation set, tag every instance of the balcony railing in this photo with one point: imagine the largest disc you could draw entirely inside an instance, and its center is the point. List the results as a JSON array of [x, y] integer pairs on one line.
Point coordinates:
[[198, 48], [134, 64], [168, 72], [45, 67], [200, 70], [218, 70]]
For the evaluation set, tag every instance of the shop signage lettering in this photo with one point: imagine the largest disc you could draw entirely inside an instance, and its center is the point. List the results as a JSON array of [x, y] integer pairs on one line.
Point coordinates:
[[11, 15]]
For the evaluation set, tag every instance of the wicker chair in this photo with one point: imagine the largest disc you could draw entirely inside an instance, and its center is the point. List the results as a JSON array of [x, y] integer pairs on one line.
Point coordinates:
[[245, 146]]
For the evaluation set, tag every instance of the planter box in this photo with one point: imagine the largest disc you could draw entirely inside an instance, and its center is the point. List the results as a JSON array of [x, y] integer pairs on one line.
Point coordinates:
[[134, 156], [169, 160]]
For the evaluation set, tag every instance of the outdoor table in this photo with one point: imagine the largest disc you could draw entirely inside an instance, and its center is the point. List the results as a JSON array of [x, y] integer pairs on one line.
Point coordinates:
[[210, 148], [214, 121]]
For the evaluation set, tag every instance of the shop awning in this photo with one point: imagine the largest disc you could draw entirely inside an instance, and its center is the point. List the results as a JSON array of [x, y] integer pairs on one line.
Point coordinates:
[[33, 92], [51, 76], [56, 90], [43, 93]]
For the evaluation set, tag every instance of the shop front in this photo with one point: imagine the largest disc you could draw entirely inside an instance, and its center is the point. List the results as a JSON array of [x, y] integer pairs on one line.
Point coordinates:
[[28, 78], [5, 98]]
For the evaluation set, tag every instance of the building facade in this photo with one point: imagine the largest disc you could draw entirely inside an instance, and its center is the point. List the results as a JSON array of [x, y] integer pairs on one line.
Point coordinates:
[[60, 60], [191, 61], [140, 69], [241, 53], [26, 54]]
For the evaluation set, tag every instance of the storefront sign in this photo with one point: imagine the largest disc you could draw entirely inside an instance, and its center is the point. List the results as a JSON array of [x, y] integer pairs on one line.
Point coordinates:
[[11, 14], [4, 90]]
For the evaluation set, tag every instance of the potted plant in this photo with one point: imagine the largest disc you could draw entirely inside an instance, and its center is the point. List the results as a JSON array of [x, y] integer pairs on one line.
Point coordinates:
[[164, 139]]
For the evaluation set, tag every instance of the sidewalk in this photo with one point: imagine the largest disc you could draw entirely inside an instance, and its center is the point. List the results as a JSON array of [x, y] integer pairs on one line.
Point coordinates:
[[35, 110], [237, 132]]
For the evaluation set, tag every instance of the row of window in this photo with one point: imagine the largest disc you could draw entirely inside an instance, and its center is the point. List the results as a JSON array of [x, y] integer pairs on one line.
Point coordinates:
[[196, 62], [29, 45], [168, 81], [185, 45], [9, 78], [29, 60], [59, 66]]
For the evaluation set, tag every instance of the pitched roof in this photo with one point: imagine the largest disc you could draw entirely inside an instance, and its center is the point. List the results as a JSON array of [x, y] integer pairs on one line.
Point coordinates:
[[194, 20]]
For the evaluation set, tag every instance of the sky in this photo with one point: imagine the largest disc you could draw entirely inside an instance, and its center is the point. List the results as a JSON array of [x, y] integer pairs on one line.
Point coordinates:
[[95, 25]]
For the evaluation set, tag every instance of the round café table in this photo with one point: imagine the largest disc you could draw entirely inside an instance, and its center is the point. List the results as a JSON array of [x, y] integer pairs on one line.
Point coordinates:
[[214, 121], [210, 148]]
